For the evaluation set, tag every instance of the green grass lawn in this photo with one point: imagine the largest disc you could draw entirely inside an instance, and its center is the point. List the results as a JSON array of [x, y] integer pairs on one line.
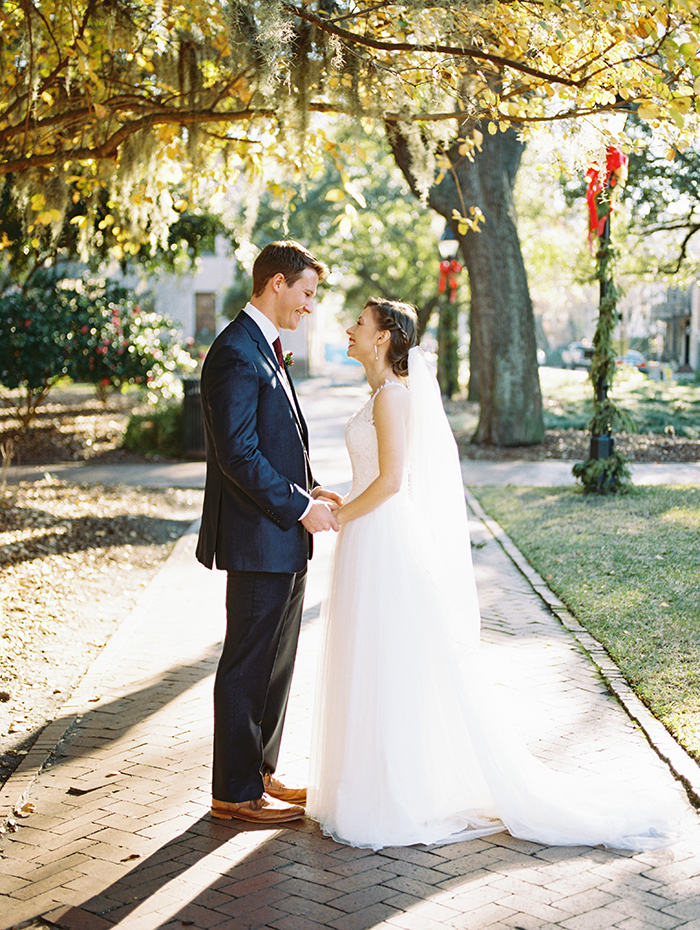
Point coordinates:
[[628, 568], [655, 406]]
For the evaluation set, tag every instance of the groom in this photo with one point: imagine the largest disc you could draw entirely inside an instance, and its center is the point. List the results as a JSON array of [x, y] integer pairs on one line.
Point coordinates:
[[261, 505]]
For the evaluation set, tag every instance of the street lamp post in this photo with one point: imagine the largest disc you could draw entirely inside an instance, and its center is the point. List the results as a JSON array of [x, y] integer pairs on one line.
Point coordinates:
[[448, 319], [602, 443], [605, 469]]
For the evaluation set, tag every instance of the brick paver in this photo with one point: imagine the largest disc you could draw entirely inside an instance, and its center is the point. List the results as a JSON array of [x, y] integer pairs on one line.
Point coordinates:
[[120, 833]]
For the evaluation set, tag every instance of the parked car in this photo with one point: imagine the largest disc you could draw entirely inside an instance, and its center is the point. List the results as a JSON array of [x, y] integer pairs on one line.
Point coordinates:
[[634, 358], [577, 355]]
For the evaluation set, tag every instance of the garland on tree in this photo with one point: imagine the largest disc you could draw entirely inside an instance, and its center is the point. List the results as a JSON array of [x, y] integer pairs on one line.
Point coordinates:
[[607, 472]]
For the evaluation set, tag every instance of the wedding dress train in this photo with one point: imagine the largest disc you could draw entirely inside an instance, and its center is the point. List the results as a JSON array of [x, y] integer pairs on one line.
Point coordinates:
[[409, 744]]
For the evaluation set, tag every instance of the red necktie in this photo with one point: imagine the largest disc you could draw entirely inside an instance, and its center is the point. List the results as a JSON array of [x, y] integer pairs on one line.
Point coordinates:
[[277, 346]]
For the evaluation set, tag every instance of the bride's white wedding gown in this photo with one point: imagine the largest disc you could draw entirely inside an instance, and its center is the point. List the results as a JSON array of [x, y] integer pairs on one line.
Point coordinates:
[[408, 746]]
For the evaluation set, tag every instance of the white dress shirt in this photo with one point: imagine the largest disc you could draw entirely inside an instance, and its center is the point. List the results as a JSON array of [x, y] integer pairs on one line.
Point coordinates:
[[270, 332]]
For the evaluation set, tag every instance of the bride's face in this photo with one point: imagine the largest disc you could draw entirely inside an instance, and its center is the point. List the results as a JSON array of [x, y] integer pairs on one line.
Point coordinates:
[[363, 337]]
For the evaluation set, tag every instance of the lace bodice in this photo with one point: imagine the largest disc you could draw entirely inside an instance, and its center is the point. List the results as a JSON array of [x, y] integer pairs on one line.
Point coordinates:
[[361, 442]]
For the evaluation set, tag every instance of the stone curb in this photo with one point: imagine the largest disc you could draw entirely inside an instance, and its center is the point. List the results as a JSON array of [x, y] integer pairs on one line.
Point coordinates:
[[683, 766], [16, 789]]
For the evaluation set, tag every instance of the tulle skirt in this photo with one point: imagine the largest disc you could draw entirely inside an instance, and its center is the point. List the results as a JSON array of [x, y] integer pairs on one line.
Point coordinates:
[[412, 744]]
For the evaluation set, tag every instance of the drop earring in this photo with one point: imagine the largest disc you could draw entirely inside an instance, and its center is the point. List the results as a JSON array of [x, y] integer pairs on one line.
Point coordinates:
[[376, 354]]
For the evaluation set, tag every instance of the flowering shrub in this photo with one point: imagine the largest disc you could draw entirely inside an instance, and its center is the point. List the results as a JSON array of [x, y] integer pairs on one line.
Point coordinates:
[[32, 347], [114, 341], [94, 332]]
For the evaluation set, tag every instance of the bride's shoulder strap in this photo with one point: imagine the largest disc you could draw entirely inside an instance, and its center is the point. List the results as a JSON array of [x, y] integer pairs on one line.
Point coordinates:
[[388, 383], [393, 401]]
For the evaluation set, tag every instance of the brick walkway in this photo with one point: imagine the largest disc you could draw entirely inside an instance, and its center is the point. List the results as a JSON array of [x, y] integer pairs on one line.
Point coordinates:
[[115, 794]]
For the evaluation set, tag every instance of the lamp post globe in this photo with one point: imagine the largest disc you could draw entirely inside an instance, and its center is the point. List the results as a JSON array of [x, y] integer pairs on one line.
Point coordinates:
[[448, 320]]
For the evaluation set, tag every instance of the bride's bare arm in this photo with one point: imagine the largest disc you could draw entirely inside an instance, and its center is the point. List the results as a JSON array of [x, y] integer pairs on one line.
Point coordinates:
[[391, 413]]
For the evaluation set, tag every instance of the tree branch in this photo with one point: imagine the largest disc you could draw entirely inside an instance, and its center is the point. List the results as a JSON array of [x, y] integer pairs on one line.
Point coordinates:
[[21, 98], [165, 116], [110, 148], [683, 249], [464, 51]]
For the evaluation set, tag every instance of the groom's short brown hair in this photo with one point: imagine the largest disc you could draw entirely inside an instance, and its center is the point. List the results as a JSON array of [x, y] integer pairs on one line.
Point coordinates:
[[286, 257]]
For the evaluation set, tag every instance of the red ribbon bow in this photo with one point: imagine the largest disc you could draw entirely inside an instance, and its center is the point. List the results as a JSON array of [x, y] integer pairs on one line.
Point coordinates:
[[615, 170], [448, 278]]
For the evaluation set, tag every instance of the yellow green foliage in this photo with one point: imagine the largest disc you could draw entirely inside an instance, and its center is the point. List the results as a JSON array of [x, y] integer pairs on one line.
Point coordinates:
[[116, 96]]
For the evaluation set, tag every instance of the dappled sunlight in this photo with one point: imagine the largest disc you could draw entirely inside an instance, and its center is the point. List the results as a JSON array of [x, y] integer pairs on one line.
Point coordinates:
[[656, 407], [45, 536], [611, 603], [73, 562], [573, 384], [683, 518]]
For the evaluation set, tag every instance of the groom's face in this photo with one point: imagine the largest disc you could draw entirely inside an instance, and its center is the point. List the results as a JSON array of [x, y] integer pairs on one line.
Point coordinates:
[[295, 301]]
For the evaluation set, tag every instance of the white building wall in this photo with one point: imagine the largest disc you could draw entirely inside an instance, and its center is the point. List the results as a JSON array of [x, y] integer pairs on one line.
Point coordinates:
[[174, 294]]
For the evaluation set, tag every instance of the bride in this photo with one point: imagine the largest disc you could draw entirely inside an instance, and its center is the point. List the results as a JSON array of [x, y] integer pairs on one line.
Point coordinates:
[[408, 746]]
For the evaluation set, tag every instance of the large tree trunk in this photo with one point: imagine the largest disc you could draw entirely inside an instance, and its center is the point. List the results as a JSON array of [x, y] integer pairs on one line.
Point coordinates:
[[502, 320]]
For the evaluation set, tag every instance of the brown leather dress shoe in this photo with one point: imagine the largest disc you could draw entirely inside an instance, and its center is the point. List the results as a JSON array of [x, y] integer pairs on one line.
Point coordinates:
[[275, 788], [261, 810]]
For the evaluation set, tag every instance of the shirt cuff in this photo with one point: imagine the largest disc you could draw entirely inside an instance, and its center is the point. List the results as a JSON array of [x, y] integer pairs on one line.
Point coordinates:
[[308, 507]]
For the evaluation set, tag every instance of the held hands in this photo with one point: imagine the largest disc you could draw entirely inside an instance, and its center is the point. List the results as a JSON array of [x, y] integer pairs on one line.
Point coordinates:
[[321, 517], [324, 494]]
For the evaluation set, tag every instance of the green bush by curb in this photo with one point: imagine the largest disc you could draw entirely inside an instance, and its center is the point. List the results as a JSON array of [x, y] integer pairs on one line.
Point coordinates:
[[156, 433]]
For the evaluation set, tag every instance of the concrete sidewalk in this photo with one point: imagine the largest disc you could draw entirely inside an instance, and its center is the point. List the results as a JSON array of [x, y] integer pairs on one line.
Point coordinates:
[[112, 823], [477, 473]]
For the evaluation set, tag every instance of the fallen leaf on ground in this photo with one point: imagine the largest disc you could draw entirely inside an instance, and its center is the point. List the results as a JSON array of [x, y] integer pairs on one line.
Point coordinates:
[[25, 810]]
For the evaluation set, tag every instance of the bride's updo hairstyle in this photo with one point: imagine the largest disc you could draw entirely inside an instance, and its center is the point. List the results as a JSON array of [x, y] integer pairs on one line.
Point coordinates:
[[401, 321]]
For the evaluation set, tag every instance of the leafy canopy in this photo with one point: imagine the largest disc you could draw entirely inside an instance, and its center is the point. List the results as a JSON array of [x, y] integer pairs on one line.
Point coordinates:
[[388, 249], [111, 96]]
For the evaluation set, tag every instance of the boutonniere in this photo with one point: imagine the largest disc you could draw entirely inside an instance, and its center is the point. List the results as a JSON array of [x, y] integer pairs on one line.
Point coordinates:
[[289, 359]]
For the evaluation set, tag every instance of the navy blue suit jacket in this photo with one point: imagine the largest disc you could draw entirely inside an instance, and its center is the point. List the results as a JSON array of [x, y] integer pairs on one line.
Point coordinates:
[[257, 455]]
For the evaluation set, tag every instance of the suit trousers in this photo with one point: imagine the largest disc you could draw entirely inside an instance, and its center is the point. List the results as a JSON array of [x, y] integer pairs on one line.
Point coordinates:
[[253, 679]]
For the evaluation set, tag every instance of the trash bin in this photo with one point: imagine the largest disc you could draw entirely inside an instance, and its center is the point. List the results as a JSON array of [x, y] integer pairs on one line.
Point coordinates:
[[193, 441], [602, 447]]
